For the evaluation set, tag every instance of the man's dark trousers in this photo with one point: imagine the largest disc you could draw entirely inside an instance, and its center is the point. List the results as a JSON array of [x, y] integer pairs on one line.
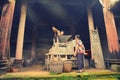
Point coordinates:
[[80, 60]]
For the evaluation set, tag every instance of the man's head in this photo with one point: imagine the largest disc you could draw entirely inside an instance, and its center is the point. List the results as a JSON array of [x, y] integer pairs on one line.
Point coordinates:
[[77, 37]]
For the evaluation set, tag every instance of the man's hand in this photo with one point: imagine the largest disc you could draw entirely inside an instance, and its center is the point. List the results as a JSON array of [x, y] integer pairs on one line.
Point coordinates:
[[85, 53]]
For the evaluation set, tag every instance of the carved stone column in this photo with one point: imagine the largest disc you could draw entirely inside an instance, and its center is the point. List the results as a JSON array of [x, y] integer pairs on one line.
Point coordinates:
[[95, 44]]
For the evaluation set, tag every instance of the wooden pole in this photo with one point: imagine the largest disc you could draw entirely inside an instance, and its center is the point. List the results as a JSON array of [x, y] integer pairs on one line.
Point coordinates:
[[9, 31], [5, 25], [33, 43], [111, 31], [19, 48]]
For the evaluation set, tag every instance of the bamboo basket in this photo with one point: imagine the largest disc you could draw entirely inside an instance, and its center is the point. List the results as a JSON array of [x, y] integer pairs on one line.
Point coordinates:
[[56, 67]]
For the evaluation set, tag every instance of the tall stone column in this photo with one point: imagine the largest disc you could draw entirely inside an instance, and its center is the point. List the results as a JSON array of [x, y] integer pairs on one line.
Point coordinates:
[[19, 47], [111, 31], [95, 44], [5, 26]]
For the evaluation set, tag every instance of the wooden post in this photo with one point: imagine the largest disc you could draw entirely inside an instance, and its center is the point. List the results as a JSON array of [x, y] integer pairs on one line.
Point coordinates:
[[111, 31], [5, 26], [96, 50], [19, 48], [33, 43]]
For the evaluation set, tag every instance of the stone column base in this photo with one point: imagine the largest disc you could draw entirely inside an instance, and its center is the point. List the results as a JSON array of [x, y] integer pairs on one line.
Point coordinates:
[[3, 66], [115, 67], [17, 65]]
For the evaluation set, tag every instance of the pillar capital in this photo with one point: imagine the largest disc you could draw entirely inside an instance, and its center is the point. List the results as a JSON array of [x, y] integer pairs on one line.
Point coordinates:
[[108, 4]]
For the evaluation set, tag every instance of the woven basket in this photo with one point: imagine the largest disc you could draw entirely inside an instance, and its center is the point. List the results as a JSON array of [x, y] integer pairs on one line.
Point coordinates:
[[56, 67]]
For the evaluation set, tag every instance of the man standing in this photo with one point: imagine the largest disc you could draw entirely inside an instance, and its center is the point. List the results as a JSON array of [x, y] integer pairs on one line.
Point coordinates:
[[79, 53]]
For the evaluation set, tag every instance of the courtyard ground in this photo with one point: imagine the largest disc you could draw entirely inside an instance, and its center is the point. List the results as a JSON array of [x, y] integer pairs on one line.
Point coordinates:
[[38, 71]]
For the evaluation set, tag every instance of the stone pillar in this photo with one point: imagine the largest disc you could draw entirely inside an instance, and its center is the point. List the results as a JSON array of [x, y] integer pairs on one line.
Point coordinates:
[[19, 47], [96, 50], [111, 31], [5, 26]]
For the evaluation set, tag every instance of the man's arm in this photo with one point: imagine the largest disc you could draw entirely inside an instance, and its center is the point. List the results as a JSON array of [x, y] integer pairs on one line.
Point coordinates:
[[76, 48]]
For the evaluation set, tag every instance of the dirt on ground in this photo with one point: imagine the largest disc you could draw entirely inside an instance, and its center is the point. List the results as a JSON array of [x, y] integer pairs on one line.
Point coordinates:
[[40, 71]]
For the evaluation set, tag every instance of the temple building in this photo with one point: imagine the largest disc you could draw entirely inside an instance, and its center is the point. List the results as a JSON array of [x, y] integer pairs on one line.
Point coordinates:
[[26, 27]]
